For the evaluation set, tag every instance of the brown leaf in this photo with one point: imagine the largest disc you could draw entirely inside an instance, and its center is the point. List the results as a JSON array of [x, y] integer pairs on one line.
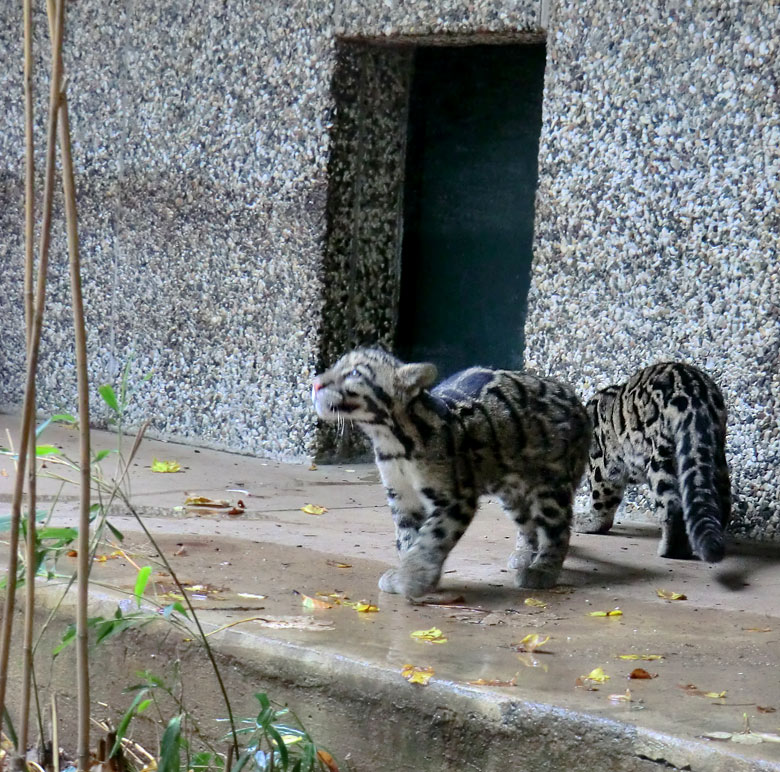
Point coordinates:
[[327, 760], [640, 672], [235, 511], [767, 709], [336, 564]]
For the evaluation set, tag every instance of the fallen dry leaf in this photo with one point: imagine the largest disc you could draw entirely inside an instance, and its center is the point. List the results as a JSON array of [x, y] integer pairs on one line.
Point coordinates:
[[621, 697], [251, 595], [294, 623], [363, 607], [694, 691], [643, 657], [313, 509], [596, 676], [417, 675], [309, 602], [313, 468], [3, 473], [165, 467], [535, 602], [767, 709], [669, 595], [205, 501], [641, 673], [434, 635], [326, 758], [616, 612], [531, 642], [493, 682], [236, 511], [181, 550], [336, 564], [73, 553], [757, 629]]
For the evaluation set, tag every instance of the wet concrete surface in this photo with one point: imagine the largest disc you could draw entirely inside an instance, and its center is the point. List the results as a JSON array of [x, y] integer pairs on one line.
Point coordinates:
[[725, 638]]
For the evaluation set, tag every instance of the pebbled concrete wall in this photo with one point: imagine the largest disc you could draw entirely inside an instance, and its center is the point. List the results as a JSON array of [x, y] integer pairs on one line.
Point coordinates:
[[657, 213], [240, 173]]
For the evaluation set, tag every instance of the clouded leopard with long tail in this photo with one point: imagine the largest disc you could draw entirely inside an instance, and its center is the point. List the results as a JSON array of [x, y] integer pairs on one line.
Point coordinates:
[[665, 426], [521, 438]]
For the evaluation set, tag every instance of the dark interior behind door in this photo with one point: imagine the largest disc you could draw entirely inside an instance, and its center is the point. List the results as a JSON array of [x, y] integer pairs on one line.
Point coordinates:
[[474, 124]]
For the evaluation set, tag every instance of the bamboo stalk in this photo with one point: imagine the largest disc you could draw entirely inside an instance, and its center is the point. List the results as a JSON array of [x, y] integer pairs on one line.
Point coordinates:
[[29, 311], [32, 364], [83, 566], [71, 222]]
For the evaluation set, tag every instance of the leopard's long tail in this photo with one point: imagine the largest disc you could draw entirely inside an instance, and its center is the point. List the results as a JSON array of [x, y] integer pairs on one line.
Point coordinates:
[[704, 483]]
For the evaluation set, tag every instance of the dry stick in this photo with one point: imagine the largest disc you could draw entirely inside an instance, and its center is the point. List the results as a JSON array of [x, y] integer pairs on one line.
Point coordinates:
[[29, 311], [82, 644], [32, 366], [83, 564]]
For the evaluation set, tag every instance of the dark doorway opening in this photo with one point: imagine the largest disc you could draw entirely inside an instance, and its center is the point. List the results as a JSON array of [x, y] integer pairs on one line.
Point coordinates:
[[475, 117]]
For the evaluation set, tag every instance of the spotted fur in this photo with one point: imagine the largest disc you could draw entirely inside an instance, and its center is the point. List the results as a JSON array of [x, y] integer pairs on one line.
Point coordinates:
[[521, 438], [665, 426]]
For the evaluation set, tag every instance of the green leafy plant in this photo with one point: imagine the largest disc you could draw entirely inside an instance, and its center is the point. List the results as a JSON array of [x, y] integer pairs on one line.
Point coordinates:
[[275, 741]]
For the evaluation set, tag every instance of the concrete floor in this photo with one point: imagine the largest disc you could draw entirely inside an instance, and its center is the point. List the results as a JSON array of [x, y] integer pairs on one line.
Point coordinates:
[[341, 669]]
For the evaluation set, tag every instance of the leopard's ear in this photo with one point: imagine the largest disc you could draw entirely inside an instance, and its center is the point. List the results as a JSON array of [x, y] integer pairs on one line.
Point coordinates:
[[413, 378]]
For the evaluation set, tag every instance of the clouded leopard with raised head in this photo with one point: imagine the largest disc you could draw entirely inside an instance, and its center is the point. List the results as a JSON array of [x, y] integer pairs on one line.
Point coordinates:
[[665, 426], [521, 438]]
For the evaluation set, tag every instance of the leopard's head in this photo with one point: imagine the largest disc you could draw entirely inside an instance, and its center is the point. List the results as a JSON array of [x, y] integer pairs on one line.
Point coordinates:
[[367, 385]]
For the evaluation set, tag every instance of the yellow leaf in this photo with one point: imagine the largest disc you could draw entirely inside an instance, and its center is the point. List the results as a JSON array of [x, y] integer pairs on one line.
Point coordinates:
[[493, 682], [309, 602], [434, 635], [291, 739], [669, 595], [620, 697], [532, 642], [165, 466], [313, 509], [597, 675], [643, 657], [535, 602], [363, 607], [417, 675], [336, 564], [716, 695], [205, 501], [757, 629], [616, 612]]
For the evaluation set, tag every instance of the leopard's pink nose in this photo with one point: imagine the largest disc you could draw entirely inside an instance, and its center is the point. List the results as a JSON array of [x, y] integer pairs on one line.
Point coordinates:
[[317, 385]]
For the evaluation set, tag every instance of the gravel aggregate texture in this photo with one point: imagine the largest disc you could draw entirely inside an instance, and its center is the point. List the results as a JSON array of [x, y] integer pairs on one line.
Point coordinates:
[[240, 183]]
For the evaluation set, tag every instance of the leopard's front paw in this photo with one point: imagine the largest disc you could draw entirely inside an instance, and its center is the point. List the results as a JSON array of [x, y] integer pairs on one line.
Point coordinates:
[[412, 578], [390, 581], [534, 578]]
